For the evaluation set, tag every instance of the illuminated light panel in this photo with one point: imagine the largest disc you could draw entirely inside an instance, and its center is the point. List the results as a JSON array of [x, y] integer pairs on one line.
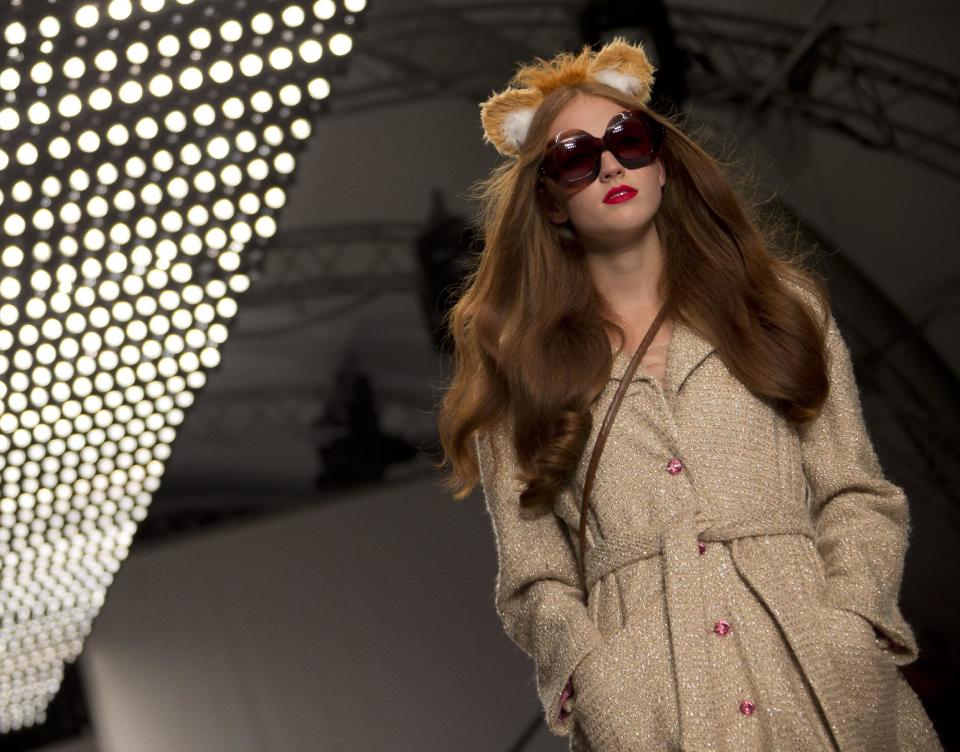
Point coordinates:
[[139, 174]]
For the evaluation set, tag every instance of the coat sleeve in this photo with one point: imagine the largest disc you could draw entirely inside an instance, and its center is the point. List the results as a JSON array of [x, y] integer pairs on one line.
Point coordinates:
[[538, 594], [861, 518]]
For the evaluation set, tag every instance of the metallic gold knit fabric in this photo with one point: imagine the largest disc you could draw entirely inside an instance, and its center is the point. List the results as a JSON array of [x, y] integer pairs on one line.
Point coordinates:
[[738, 572]]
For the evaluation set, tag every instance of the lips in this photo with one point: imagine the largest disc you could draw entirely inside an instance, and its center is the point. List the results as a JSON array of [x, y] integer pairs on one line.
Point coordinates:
[[619, 193]]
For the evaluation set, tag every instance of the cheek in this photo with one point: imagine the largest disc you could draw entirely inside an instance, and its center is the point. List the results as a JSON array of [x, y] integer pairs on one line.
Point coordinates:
[[578, 208], [647, 182], [647, 178]]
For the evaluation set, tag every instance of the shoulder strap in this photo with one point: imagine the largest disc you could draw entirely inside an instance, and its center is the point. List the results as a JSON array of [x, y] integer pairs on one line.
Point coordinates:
[[605, 429]]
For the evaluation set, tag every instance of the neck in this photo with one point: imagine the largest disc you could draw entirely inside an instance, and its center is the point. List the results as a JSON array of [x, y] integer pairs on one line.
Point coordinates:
[[627, 274]]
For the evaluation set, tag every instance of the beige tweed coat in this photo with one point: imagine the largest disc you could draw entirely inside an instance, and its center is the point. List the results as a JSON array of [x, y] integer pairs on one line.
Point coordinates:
[[741, 574]]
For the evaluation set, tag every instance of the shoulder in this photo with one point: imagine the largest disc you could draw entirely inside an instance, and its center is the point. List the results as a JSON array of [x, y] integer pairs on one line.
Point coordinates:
[[814, 296], [493, 441]]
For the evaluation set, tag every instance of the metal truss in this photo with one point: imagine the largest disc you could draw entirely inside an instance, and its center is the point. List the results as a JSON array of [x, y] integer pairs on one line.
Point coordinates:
[[878, 98], [460, 50], [242, 412], [819, 73], [309, 276], [314, 263], [299, 411]]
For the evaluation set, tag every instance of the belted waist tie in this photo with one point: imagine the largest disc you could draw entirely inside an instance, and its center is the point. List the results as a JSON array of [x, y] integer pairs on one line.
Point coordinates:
[[610, 554], [689, 624]]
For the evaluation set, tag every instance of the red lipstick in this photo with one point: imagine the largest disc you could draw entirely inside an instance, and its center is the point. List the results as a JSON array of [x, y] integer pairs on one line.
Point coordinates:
[[619, 193]]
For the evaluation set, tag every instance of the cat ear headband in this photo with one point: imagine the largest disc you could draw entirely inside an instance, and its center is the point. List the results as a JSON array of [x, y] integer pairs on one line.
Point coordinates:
[[506, 116]]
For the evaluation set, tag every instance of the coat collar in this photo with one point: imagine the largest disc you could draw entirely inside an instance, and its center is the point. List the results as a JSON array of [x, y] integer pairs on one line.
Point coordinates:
[[685, 351]]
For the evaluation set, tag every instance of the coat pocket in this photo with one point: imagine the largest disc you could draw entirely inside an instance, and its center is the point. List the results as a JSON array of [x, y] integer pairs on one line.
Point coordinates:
[[868, 700], [868, 672], [622, 702], [849, 630]]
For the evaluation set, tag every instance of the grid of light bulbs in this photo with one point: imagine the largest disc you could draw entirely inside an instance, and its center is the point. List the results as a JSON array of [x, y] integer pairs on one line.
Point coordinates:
[[144, 149]]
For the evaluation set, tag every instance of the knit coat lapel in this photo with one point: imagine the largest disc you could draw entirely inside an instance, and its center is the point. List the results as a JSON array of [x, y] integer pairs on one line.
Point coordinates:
[[685, 351]]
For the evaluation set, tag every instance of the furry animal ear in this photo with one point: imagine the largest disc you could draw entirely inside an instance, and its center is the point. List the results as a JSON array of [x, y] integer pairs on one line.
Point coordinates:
[[625, 66], [506, 116]]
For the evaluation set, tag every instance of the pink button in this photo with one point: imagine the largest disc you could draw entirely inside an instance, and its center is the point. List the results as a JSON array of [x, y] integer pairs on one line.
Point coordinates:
[[721, 627], [746, 707], [674, 466], [701, 547]]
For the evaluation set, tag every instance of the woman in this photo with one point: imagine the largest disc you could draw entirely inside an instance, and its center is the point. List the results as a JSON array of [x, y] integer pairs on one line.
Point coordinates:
[[726, 576]]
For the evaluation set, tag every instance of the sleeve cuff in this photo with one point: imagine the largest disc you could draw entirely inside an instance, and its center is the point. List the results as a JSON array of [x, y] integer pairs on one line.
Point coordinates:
[[552, 696]]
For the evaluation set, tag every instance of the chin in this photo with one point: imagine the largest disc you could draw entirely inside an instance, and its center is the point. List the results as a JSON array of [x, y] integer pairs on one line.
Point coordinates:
[[629, 229]]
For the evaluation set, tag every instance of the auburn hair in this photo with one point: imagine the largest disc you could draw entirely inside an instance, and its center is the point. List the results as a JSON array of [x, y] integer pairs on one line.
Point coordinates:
[[531, 333]]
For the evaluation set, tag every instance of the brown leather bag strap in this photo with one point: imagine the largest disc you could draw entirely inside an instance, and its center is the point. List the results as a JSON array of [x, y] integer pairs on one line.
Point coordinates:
[[605, 429]]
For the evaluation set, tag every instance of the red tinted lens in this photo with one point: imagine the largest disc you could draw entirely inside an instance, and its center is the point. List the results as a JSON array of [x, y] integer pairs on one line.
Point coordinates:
[[633, 140], [572, 160]]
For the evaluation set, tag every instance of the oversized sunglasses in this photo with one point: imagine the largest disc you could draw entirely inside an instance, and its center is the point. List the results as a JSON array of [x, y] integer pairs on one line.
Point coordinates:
[[572, 158]]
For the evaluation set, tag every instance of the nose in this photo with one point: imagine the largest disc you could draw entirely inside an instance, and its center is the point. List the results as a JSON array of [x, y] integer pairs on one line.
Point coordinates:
[[610, 168]]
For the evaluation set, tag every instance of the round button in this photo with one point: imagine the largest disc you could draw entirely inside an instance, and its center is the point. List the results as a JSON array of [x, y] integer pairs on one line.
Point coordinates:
[[701, 547], [674, 466], [721, 627], [746, 707]]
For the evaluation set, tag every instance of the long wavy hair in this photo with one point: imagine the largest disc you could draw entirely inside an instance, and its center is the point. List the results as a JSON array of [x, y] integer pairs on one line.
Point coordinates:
[[531, 333]]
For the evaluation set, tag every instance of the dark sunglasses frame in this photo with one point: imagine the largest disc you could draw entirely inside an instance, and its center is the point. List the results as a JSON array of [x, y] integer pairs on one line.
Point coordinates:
[[577, 143]]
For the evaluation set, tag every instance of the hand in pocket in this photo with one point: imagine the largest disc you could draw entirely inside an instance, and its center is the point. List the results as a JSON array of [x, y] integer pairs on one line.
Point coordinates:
[[566, 700], [608, 710]]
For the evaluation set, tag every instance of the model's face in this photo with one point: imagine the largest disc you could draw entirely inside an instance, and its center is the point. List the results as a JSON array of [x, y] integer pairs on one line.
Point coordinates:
[[590, 215]]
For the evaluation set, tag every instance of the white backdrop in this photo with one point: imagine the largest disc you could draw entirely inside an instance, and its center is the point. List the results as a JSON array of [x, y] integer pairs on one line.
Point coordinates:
[[365, 624]]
